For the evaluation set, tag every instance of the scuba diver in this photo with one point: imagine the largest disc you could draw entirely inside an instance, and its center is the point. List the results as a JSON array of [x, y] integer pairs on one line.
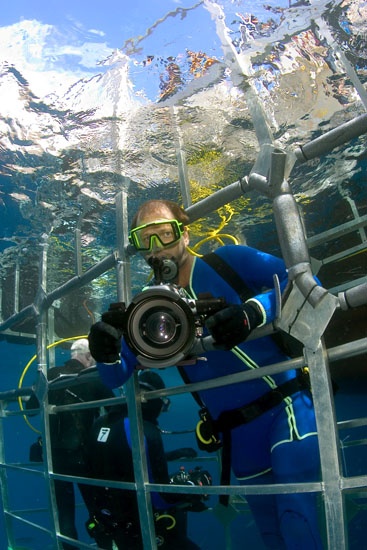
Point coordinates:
[[69, 431], [114, 521], [266, 426]]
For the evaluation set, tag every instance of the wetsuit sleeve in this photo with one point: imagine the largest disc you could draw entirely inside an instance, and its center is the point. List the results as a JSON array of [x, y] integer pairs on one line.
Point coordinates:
[[257, 269], [112, 375], [116, 374]]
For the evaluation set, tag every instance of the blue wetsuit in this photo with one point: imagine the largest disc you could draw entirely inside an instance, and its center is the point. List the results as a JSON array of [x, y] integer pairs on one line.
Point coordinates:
[[281, 445]]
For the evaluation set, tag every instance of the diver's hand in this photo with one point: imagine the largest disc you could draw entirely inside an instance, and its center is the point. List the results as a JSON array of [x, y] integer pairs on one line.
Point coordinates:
[[104, 342], [115, 316], [232, 325]]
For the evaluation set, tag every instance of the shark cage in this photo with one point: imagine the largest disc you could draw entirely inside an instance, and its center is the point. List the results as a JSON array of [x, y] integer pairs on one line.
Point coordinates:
[[304, 313]]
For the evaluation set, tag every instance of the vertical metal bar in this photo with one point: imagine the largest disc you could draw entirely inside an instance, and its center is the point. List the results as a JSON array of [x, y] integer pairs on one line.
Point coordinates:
[[293, 244], [290, 231], [181, 160], [329, 447], [78, 253], [294, 248], [16, 286], [42, 366], [134, 408], [47, 459], [51, 352], [4, 485], [41, 310], [353, 207], [140, 465], [123, 260]]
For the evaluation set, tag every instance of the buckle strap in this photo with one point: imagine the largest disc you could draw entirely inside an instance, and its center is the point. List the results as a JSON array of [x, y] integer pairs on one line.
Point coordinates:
[[228, 420]]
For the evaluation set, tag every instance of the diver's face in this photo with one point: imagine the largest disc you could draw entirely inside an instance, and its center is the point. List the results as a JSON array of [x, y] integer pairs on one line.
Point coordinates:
[[160, 247]]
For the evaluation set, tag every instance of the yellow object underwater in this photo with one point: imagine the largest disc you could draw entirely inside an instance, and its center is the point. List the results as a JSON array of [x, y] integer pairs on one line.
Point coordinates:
[[26, 368]]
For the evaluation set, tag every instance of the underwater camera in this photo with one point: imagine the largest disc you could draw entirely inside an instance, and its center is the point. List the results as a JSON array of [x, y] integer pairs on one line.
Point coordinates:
[[161, 325], [196, 476]]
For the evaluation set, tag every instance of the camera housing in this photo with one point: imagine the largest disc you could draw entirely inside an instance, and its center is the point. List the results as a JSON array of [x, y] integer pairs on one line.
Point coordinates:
[[161, 325], [197, 476]]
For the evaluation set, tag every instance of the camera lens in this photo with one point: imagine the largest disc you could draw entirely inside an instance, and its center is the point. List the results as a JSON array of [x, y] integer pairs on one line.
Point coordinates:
[[159, 327]]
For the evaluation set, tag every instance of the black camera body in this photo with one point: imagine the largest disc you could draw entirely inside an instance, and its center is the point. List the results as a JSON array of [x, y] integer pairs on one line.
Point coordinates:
[[161, 325], [197, 476]]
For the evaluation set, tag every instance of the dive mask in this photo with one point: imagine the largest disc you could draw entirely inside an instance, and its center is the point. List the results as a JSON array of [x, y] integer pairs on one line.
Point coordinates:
[[162, 233]]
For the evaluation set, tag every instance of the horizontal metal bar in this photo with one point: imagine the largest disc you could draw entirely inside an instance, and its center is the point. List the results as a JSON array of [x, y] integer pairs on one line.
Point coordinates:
[[11, 395], [77, 543], [33, 310], [336, 232], [76, 282], [354, 482], [353, 297], [345, 444], [270, 489], [28, 312], [332, 139], [344, 254], [348, 285], [23, 467], [276, 488], [216, 200], [348, 424], [350, 349], [27, 522], [128, 485]]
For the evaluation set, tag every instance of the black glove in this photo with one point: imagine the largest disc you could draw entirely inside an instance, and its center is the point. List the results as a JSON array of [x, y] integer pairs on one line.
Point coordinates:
[[184, 452], [104, 342], [115, 316], [233, 324]]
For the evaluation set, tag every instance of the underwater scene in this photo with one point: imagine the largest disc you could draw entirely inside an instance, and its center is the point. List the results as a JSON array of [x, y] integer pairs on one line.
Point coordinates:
[[252, 117]]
